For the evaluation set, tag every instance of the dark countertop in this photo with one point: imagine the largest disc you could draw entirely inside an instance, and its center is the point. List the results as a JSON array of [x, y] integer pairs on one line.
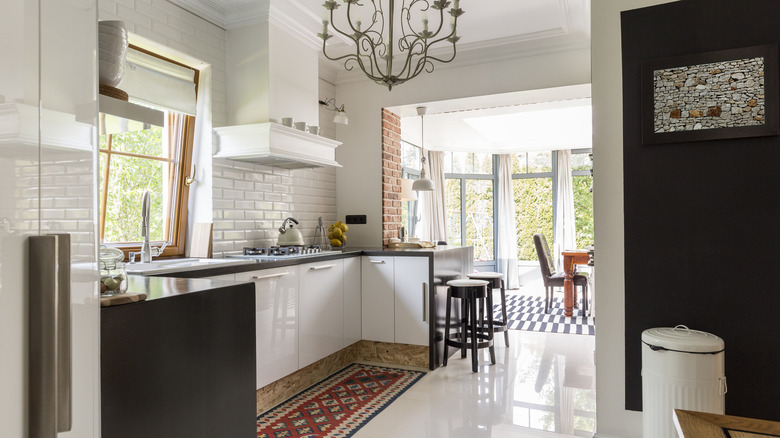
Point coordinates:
[[269, 264], [164, 287], [187, 282]]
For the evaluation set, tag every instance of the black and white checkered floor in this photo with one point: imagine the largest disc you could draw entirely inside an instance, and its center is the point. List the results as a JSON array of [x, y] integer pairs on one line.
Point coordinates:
[[527, 313]]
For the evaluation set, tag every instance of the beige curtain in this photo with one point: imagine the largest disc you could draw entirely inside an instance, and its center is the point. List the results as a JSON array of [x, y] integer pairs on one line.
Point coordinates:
[[434, 221], [564, 210], [506, 240]]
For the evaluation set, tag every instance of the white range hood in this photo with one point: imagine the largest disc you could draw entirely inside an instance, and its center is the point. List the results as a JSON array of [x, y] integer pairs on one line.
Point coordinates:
[[275, 145], [272, 74]]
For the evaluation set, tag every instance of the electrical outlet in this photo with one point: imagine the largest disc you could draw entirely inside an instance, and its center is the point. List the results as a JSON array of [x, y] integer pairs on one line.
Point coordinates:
[[359, 219]]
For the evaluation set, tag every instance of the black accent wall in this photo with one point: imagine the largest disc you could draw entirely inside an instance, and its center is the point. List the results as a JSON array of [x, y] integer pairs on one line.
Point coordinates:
[[702, 219]]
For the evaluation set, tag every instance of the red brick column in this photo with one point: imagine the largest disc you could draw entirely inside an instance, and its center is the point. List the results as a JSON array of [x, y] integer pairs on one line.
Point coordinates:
[[391, 175]]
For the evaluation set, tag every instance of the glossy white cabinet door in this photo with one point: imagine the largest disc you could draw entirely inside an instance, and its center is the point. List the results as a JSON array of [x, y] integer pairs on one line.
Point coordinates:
[[352, 301], [378, 299], [411, 300], [321, 294], [48, 84], [276, 321]]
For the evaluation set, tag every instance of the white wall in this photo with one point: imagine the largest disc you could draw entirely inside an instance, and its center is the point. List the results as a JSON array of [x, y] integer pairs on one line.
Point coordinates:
[[612, 418], [165, 24], [249, 201], [359, 183]]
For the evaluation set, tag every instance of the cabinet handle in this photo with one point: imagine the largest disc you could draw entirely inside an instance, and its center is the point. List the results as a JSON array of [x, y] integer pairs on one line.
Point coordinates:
[[263, 277], [378, 262], [318, 268], [49, 335], [425, 301]]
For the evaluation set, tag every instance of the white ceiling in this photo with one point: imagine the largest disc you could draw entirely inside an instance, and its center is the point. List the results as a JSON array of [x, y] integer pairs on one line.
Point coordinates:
[[490, 30], [556, 118]]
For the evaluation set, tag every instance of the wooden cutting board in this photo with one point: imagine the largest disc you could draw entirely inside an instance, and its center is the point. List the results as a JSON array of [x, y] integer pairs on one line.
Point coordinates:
[[125, 298], [201, 244]]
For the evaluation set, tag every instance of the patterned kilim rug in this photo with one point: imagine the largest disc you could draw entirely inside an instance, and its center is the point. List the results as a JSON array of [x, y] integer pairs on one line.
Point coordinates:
[[339, 405], [527, 313]]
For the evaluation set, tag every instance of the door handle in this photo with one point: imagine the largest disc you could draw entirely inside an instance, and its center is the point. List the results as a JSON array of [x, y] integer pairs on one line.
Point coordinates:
[[49, 335], [425, 302], [378, 262], [318, 268], [263, 277]]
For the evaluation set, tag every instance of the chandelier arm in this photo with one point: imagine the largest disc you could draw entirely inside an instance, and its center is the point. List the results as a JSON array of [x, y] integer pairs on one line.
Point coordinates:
[[418, 42], [370, 47]]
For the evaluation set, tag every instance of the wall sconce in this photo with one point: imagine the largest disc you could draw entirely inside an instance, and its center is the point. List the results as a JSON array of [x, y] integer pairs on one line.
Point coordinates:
[[341, 115]]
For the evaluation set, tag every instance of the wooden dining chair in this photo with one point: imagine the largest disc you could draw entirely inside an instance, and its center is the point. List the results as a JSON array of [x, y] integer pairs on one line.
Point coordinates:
[[554, 279]]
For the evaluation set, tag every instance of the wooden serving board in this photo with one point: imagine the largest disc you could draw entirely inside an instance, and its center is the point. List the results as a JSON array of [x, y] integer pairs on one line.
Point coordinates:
[[403, 245], [125, 298]]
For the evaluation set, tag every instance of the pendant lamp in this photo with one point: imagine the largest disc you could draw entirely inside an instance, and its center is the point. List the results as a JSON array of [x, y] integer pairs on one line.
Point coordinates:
[[423, 184]]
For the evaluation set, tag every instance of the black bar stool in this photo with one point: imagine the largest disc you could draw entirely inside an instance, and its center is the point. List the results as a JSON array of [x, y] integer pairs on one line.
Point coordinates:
[[470, 332], [495, 281]]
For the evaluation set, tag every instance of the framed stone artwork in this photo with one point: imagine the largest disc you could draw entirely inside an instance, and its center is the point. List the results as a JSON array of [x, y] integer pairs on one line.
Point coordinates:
[[713, 95]]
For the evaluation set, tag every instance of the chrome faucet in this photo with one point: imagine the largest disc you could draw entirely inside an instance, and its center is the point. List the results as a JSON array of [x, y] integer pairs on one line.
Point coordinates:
[[146, 249]]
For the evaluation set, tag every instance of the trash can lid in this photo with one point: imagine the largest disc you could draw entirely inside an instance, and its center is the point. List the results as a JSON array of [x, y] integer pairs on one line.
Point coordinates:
[[683, 339]]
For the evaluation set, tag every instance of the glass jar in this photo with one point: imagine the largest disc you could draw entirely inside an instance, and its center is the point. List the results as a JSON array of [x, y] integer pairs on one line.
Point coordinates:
[[113, 277]]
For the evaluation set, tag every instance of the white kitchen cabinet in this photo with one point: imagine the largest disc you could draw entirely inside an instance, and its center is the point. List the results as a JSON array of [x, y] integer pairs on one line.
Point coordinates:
[[321, 310], [352, 301], [277, 323], [378, 306], [411, 300]]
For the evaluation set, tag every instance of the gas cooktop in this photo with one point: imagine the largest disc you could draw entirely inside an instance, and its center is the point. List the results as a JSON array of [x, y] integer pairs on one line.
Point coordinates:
[[281, 252]]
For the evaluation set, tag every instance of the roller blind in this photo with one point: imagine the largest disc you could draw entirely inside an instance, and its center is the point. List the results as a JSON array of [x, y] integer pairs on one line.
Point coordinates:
[[158, 83]]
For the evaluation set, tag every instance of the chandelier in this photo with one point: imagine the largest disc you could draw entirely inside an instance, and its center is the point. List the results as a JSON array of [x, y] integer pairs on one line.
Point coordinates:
[[375, 44]]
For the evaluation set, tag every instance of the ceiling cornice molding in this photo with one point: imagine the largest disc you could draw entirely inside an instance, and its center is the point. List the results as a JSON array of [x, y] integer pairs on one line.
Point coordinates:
[[208, 10], [246, 13], [485, 53], [289, 17]]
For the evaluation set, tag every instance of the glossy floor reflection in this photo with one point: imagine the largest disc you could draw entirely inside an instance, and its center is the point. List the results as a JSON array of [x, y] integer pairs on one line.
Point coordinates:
[[543, 386]]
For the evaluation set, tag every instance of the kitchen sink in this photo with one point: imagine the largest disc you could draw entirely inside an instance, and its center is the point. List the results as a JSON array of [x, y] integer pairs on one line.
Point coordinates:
[[181, 265]]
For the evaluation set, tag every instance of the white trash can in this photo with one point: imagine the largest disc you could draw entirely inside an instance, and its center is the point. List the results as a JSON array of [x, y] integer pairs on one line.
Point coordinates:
[[681, 369]]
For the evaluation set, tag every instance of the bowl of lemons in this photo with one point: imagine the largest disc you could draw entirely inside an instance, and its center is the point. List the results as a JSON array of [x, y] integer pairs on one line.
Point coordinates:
[[337, 233]]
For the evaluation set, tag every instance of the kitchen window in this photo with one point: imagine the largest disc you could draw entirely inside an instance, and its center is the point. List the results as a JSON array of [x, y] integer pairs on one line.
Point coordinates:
[[535, 192], [410, 169], [470, 181], [135, 157]]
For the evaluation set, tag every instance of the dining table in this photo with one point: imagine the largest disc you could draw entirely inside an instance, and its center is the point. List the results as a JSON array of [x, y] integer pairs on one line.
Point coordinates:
[[571, 258]]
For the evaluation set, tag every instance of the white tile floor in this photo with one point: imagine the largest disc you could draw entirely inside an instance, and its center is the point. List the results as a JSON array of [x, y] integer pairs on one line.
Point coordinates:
[[542, 386]]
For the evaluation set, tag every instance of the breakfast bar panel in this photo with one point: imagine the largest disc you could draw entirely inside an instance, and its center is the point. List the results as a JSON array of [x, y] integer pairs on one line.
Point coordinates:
[[181, 363]]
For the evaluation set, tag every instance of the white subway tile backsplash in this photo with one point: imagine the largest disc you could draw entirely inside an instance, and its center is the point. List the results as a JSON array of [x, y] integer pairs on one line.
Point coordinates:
[[135, 16], [271, 196], [264, 187], [245, 205], [232, 194], [244, 185], [234, 214]]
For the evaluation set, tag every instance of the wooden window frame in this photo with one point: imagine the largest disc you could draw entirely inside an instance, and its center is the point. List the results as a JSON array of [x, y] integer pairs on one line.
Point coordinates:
[[178, 231]]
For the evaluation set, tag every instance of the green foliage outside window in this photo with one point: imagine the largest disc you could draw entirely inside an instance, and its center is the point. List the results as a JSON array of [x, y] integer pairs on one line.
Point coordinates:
[[128, 178], [583, 210], [533, 213]]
